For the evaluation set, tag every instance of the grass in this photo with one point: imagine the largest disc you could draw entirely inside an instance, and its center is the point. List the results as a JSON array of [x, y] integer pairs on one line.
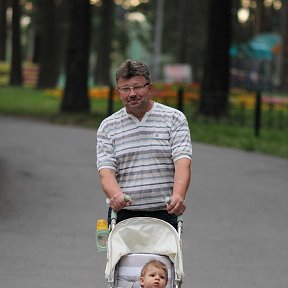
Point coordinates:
[[33, 103]]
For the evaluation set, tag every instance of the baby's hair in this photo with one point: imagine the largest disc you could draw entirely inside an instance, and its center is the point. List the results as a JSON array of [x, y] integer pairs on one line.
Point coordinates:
[[155, 263]]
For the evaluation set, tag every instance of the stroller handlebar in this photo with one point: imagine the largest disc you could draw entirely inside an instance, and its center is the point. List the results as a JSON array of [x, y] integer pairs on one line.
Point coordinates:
[[127, 198], [167, 201], [179, 217]]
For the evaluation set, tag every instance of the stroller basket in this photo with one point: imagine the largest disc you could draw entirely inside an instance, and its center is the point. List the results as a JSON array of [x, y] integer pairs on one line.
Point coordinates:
[[142, 235]]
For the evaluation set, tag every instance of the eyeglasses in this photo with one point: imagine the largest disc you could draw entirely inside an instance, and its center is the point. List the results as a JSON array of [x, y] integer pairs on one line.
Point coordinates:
[[136, 88]]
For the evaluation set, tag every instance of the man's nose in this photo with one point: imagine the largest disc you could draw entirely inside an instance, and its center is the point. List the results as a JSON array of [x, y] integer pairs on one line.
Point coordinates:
[[132, 92]]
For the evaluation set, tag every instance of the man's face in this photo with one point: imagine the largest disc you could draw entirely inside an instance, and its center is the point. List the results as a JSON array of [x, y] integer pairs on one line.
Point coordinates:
[[135, 94]]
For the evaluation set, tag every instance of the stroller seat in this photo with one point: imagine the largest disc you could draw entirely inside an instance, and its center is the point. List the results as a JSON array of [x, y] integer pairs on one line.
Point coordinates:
[[129, 268], [133, 242]]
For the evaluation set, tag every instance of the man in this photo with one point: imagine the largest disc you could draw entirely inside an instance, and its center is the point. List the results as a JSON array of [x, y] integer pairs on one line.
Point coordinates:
[[144, 150]]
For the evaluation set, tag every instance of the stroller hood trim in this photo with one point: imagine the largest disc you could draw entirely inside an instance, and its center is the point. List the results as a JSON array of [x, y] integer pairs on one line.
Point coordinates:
[[143, 235]]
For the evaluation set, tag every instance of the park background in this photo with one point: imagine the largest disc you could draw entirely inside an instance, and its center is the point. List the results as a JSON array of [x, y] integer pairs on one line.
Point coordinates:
[[235, 226], [223, 63]]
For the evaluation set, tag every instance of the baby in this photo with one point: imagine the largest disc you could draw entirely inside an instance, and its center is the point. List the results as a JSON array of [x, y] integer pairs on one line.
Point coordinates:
[[154, 274]]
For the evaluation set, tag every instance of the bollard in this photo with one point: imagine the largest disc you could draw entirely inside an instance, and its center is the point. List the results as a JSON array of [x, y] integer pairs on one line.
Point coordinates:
[[180, 97], [110, 101], [257, 114]]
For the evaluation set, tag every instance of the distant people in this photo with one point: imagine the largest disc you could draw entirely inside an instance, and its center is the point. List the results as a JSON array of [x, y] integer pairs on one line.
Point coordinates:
[[144, 150]]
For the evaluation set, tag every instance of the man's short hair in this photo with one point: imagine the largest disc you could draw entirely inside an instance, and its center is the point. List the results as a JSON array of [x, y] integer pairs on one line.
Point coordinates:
[[131, 68]]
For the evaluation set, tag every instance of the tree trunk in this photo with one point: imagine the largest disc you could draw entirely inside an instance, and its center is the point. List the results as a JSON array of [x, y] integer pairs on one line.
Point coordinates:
[[102, 69], [284, 48], [36, 27], [157, 44], [182, 28], [49, 68], [3, 29], [16, 61], [75, 98], [62, 27], [215, 82]]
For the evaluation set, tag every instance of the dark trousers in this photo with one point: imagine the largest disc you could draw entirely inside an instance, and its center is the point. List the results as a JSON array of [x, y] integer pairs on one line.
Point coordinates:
[[160, 214]]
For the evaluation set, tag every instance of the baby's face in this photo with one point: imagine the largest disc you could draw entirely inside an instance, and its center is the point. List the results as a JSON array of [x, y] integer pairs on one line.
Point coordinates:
[[154, 277]]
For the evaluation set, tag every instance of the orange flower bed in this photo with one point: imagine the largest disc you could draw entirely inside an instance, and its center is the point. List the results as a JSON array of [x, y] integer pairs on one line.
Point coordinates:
[[191, 91], [247, 99], [167, 91]]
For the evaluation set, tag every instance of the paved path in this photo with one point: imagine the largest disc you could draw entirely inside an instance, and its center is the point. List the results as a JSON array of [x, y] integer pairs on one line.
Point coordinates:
[[235, 230]]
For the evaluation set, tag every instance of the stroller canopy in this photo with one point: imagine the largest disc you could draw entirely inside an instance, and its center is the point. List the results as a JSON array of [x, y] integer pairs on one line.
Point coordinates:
[[143, 235]]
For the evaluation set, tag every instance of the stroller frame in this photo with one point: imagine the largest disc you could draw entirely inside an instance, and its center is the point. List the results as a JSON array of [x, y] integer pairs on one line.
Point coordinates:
[[131, 236]]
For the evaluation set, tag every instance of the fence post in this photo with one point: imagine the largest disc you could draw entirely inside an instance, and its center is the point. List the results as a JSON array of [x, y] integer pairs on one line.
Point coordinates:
[[180, 98], [110, 100], [257, 114]]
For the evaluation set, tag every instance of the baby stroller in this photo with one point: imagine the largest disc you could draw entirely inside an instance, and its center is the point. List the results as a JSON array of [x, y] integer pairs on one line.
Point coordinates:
[[134, 242]]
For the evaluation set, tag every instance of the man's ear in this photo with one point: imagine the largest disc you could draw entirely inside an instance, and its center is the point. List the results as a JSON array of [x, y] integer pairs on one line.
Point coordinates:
[[151, 86]]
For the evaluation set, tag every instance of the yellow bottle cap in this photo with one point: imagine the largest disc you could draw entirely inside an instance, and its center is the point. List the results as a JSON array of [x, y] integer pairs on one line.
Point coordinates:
[[102, 224]]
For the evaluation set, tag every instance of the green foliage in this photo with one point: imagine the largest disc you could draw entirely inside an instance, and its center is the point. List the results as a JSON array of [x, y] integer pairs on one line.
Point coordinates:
[[272, 142], [29, 102]]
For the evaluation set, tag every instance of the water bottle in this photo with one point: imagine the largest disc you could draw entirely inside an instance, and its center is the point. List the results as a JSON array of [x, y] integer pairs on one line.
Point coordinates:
[[102, 233]]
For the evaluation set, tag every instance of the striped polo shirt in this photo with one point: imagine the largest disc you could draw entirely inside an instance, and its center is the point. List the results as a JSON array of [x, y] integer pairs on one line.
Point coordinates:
[[142, 153]]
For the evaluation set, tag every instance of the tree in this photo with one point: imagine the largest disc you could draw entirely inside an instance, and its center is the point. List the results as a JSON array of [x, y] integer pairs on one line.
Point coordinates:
[[183, 37], [3, 29], [182, 30], [215, 82], [103, 64], [75, 98], [157, 43], [284, 48], [49, 68], [16, 61]]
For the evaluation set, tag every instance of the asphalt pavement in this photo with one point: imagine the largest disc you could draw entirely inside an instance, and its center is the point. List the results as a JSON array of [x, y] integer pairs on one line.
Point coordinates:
[[235, 226]]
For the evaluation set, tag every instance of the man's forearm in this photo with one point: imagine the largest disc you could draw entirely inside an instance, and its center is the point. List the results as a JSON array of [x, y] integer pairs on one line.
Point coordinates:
[[112, 190], [182, 177], [109, 183]]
